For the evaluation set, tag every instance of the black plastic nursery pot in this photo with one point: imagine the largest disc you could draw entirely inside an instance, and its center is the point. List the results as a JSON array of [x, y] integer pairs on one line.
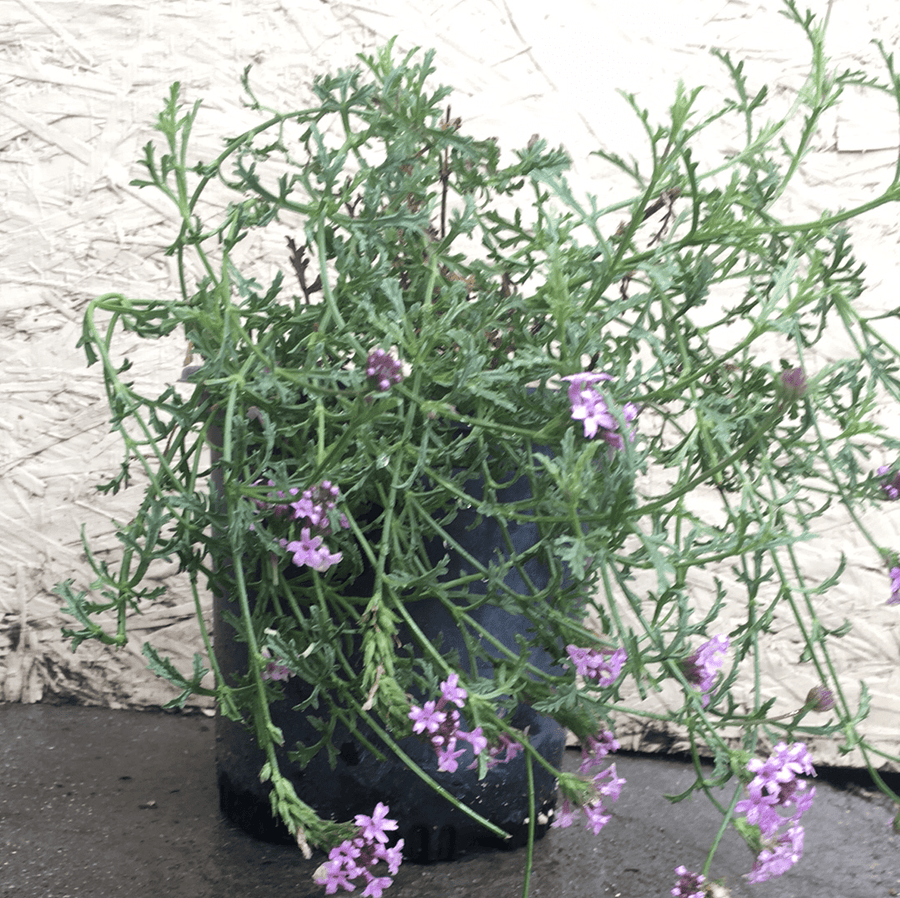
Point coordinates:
[[432, 828]]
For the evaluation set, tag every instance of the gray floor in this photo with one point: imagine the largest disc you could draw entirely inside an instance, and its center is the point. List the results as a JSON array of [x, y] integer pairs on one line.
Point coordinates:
[[96, 803]]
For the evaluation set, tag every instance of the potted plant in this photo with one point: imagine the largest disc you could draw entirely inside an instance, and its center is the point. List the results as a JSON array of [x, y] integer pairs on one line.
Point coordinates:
[[437, 458]]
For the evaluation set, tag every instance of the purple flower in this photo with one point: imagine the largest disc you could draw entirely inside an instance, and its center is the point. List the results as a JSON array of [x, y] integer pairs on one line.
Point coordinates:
[[453, 692], [593, 749], [799, 794], [309, 550], [335, 874], [274, 502], [373, 829], [392, 856], [779, 856], [506, 744], [346, 852], [783, 765], [312, 509], [891, 482], [613, 789], [690, 885], [774, 786], [596, 816], [476, 739], [427, 719], [607, 786], [314, 505], [895, 587], [376, 885], [589, 407], [565, 816], [444, 730], [383, 369], [603, 666], [701, 667], [447, 755], [759, 811]]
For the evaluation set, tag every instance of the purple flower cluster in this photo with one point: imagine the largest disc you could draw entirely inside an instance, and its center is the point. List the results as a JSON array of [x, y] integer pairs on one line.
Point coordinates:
[[606, 783], [689, 885], [602, 666], [775, 786], [315, 503], [895, 587], [384, 369], [702, 666], [443, 729], [589, 407], [355, 857], [890, 483], [312, 508]]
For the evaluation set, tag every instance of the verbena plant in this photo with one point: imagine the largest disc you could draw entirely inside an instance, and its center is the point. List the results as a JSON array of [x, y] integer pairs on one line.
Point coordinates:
[[450, 315]]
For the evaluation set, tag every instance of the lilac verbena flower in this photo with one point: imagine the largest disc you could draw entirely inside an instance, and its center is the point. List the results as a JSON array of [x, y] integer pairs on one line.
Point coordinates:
[[501, 753], [606, 787], [779, 856], [775, 786], [384, 369], [427, 719], [376, 885], [356, 858], [690, 885], [702, 666], [589, 407], [376, 827], [890, 483], [312, 508], [276, 503], [314, 504], [453, 692], [443, 727], [602, 666], [596, 817], [783, 766], [895, 587], [309, 550], [594, 749]]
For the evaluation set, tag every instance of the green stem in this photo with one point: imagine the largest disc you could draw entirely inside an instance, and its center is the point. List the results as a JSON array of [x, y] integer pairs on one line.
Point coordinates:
[[532, 814]]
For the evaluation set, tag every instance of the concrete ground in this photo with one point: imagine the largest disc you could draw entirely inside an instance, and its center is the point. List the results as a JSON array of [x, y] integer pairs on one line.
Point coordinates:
[[97, 803]]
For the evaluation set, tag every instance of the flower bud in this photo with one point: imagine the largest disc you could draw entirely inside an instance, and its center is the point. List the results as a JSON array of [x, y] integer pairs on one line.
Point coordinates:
[[820, 698], [793, 384]]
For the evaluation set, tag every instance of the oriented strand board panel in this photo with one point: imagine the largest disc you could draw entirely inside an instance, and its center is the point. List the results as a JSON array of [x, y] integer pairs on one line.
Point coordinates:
[[80, 83]]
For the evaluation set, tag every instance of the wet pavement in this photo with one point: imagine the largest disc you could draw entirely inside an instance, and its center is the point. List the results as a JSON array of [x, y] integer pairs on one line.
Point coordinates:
[[97, 803]]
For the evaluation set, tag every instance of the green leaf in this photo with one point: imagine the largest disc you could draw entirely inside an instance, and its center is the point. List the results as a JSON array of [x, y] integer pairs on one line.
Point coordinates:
[[163, 667]]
